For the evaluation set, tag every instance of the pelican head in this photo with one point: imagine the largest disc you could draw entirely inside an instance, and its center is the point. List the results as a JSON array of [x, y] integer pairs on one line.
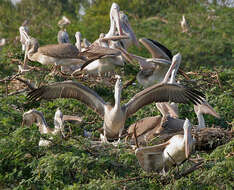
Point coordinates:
[[64, 21], [175, 61], [115, 16], [118, 86], [205, 108], [177, 58], [187, 137]]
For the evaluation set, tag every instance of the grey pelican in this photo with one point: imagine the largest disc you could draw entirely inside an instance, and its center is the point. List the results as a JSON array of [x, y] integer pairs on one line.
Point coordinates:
[[184, 24], [115, 116], [163, 156], [33, 115]]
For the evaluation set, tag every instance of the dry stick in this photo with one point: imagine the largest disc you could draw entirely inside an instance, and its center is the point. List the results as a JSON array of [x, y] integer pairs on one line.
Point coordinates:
[[18, 92], [190, 170]]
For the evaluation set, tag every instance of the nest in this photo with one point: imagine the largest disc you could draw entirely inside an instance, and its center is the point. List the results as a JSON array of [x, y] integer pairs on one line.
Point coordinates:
[[209, 138]]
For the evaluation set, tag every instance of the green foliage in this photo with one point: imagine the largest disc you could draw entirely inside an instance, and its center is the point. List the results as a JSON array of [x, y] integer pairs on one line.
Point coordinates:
[[71, 163]]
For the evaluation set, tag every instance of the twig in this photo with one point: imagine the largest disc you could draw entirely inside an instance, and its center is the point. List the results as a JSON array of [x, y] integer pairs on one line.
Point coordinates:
[[190, 170], [18, 92]]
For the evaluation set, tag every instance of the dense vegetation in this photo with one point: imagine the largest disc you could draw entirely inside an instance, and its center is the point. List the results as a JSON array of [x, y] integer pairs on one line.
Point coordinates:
[[207, 51]]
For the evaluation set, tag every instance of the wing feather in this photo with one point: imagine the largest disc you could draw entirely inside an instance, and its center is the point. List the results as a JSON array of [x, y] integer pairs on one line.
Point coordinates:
[[65, 50], [163, 93], [70, 89]]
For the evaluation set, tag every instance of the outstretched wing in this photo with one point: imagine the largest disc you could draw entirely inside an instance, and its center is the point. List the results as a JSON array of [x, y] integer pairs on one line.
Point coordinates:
[[163, 93], [70, 89]]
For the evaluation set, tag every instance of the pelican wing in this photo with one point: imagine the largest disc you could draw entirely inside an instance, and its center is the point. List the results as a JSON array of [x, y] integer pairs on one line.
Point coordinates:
[[65, 50], [156, 49], [70, 89], [144, 125], [150, 158], [163, 93]]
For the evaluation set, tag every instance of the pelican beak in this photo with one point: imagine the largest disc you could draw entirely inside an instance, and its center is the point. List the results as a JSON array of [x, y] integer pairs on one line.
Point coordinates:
[[188, 137], [132, 34], [26, 54], [115, 14], [175, 60]]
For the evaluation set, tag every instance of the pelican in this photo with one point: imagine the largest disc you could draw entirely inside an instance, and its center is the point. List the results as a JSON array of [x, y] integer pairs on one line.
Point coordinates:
[[22, 39], [184, 24], [163, 156], [33, 115], [115, 116]]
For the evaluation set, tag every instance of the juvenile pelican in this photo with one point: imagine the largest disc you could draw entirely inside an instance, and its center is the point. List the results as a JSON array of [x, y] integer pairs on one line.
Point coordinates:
[[33, 115], [163, 156], [115, 116]]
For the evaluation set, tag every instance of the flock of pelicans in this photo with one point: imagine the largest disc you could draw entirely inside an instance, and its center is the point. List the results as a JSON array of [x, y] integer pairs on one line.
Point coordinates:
[[157, 75]]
